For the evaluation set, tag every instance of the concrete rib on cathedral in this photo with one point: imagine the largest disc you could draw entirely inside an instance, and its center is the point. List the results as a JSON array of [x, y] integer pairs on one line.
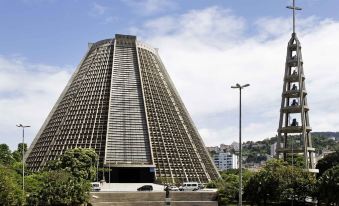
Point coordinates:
[[121, 102]]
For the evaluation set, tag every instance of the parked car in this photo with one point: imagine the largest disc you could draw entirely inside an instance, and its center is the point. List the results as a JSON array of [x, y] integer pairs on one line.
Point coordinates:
[[95, 186], [201, 186], [145, 188], [172, 188], [189, 186]]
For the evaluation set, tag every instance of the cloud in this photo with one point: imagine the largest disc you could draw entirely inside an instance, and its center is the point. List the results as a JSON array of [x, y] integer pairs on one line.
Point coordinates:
[[37, 1], [212, 47], [201, 27], [97, 9], [102, 14], [205, 52], [27, 93], [149, 7], [109, 19], [274, 27]]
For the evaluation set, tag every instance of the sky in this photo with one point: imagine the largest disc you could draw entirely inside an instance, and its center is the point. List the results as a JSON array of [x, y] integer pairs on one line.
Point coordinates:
[[206, 46]]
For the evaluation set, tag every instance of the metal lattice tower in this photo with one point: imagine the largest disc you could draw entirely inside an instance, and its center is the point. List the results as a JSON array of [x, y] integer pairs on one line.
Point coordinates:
[[121, 102], [294, 137]]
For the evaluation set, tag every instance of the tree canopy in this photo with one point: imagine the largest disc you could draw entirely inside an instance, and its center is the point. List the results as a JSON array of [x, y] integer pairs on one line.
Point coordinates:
[[58, 188], [228, 185], [328, 186], [6, 157], [279, 182], [10, 189], [17, 154], [64, 182], [328, 162], [79, 162]]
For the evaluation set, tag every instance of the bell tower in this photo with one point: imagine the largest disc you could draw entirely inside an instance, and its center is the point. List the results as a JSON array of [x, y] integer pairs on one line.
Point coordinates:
[[294, 133]]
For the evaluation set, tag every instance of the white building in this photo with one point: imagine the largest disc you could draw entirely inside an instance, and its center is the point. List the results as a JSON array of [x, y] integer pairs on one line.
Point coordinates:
[[273, 149], [332, 138], [225, 161]]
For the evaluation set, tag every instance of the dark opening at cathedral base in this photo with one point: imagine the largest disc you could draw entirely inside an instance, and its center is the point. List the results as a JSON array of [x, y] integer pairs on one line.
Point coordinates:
[[127, 175]]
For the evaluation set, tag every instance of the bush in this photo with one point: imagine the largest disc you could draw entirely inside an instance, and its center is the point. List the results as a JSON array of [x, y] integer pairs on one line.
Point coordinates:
[[328, 162], [58, 188], [279, 182], [228, 186], [10, 190], [328, 186]]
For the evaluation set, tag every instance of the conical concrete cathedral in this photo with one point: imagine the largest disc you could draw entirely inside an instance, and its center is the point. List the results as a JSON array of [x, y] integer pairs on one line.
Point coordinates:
[[121, 102]]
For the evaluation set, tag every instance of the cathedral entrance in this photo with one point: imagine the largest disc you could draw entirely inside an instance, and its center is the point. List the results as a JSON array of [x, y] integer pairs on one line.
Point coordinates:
[[130, 175]]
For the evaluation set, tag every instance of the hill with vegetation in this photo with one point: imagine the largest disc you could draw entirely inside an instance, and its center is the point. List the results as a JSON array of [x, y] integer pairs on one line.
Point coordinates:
[[255, 152], [327, 134]]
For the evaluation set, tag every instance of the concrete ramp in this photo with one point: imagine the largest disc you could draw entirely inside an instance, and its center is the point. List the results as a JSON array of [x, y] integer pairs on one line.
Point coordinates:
[[179, 198]]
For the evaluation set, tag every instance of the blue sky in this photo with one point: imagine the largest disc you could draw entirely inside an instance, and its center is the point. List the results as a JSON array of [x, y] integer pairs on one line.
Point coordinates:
[[29, 27], [216, 43]]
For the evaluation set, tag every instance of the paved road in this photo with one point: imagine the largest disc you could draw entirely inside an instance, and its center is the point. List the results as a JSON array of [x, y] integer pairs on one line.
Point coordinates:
[[132, 187], [124, 187]]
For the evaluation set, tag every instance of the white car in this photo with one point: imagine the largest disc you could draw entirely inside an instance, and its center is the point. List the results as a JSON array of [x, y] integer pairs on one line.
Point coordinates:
[[189, 186], [173, 188], [96, 186]]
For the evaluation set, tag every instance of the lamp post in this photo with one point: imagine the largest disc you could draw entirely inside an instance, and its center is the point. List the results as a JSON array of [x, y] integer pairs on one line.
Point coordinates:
[[240, 87], [23, 153]]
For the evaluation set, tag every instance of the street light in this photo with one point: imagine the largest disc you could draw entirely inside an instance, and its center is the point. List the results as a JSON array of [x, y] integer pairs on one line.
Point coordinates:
[[240, 87], [23, 153]]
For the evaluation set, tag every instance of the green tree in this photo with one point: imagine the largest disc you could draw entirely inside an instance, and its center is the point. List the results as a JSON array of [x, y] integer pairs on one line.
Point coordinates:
[[34, 185], [6, 157], [57, 188], [328, 186], [17, 154], [10, 190], [328, 162], [265, 185], [298, 160], [321, 142], [228, 188], [228, 185], [279, 182], [299, 185], [79, 162], [65, 181]]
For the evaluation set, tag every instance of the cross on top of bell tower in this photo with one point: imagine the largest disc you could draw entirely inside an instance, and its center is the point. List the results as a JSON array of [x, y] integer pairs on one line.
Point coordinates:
[[294, 8]]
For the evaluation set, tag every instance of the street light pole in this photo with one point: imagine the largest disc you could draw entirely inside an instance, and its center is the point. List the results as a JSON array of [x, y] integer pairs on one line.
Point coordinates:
[[238, 86], [23, 153]]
